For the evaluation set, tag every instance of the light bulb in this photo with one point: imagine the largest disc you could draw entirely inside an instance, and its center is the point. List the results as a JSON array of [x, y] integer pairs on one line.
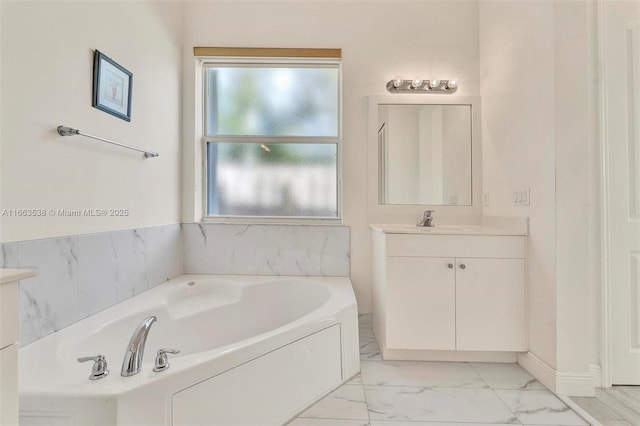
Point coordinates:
[[434, 83], [452, 84], [397, 82], [416, 83]]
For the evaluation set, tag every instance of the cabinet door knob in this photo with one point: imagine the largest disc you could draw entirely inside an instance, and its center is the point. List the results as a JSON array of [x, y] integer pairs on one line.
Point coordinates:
[[463, 266], [450, 265]]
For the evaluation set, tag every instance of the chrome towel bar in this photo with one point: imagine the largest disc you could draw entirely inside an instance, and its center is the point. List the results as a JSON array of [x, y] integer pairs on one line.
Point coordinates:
[[68, 131]]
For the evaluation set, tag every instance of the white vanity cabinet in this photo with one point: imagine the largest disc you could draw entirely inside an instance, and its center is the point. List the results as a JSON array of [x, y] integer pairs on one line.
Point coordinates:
[[490, 304], [438, 291], [9, 343], [420, 290]]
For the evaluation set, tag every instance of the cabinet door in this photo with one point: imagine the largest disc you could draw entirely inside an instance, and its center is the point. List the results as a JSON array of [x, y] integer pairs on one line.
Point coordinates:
[[490, 305], [421, 303], [8, 314], [9, 385]]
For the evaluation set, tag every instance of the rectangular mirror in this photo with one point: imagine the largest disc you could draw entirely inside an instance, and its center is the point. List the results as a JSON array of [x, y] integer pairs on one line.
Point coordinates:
[[424, 154], [438, 168]]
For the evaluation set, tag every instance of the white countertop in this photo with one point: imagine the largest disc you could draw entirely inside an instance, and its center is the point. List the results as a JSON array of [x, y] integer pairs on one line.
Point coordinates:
[[450, 229], [11, 275]]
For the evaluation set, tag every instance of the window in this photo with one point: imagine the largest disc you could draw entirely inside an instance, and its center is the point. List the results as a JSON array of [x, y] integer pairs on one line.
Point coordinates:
[[272, 131]]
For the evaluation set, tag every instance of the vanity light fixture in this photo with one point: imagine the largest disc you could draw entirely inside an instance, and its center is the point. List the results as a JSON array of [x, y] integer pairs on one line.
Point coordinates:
[[417, 85]]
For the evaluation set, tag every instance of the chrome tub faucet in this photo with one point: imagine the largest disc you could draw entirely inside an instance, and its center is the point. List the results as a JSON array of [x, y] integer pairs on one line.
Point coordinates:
[[135, 349]]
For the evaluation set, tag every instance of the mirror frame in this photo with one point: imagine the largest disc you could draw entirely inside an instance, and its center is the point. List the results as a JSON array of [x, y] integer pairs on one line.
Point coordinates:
[[406, 213]]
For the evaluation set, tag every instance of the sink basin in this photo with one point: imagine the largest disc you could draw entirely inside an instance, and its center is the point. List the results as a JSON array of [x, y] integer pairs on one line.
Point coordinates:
[[441, 229], [448, 227], [489, 227], [427, 229]]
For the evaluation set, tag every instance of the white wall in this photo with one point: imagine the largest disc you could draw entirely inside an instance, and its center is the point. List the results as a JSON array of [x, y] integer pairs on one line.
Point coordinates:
[[379, 40], [47, 63], [518, 115], [577, 191], [537, 87]]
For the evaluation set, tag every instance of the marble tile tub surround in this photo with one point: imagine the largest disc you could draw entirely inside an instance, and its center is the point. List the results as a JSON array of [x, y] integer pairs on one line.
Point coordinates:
[[81, 275], [84, 274], [266, 249]]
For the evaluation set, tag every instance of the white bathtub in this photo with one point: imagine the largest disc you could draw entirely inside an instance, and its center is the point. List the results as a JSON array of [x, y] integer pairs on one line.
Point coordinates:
[[254, 350]]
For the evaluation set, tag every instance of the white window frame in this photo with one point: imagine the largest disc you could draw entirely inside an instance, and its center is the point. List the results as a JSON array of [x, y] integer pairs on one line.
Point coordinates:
[[202, 64]]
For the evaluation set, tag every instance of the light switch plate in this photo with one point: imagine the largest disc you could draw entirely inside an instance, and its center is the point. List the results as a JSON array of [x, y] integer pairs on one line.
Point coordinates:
[[522, 196]]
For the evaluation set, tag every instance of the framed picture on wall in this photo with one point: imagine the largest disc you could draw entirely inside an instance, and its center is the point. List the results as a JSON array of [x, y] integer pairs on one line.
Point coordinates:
[[112, 86]]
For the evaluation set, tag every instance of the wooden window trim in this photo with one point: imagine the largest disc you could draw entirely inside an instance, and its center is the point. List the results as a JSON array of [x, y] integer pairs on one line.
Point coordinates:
[[268, 52]]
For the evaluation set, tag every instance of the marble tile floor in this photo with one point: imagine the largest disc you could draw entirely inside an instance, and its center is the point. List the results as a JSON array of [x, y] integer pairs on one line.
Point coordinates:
[[615, 406], [406, 393]]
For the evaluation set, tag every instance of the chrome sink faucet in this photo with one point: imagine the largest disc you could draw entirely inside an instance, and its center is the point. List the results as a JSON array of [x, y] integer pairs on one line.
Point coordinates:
[[135, 349], [427, 219]]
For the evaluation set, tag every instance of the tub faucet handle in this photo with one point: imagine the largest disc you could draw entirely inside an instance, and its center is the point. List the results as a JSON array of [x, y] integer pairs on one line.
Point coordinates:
[[162, 362], [99, 369]]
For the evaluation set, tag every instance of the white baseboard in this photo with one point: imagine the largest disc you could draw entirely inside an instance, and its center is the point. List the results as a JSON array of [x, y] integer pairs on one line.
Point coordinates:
[[572, 383], [596, 370], [451, 356], [539, 369]]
